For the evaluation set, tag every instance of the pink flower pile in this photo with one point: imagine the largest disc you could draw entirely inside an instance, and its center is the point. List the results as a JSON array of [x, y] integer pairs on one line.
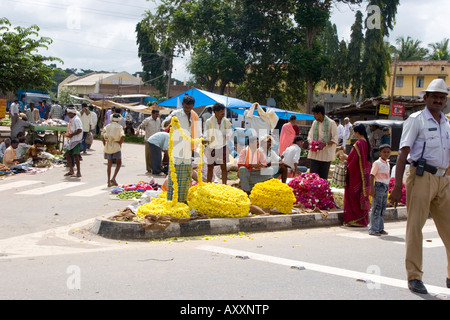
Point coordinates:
[[315, 145], [312, 191], [391, 186]]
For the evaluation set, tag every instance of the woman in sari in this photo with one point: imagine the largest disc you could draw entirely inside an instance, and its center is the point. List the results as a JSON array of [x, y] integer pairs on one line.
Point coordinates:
[[357, 187], [288, 132]]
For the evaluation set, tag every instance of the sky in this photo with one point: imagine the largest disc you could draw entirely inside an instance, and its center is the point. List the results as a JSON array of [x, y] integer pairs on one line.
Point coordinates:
[[100, 34]]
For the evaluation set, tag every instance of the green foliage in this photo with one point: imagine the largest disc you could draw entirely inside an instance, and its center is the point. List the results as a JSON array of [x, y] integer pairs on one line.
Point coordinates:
[[20, 64], [279, 49], [376, 58], [354, 57], [440, 50], [409, 49], [153, 65]]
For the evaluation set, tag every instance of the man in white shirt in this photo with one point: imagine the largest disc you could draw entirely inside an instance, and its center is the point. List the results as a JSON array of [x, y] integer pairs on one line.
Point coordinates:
[[86, 121], [151, 125], [291, 158], [340, 129], [425, 144], [74, 137], [182, 149], [14, 112], [323, 130], [348, 132], [217, 132], [94, 117]]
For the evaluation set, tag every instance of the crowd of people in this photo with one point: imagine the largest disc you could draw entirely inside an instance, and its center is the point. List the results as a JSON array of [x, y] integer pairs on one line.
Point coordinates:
[[256, 155], [262, 155]]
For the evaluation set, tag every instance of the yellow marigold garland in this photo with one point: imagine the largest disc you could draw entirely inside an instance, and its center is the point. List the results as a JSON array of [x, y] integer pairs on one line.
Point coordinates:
[[273, 194], [219, 200]]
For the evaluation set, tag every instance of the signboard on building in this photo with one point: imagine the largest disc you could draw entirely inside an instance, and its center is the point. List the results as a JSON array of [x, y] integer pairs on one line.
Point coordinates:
[[384, 109], [3, 103], [398, 110]]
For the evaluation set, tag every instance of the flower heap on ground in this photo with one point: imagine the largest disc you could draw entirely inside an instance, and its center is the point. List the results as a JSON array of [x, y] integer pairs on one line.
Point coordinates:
[[312, 191], [218, 200], [273, 194]]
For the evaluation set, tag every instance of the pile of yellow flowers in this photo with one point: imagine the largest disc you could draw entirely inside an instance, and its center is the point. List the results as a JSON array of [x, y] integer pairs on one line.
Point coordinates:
[[160, 206], [219, 200], [273, 194], [163, 195]]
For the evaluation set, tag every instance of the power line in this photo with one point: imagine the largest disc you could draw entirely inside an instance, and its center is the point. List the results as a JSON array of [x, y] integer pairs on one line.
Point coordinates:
[[89, 10], [123, 4]]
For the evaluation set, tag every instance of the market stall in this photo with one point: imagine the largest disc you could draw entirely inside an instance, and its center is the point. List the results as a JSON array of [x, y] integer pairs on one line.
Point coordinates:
[[51, 131]]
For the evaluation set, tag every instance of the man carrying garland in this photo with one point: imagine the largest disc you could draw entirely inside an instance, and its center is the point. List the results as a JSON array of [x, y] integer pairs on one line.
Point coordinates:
[[182, 148]]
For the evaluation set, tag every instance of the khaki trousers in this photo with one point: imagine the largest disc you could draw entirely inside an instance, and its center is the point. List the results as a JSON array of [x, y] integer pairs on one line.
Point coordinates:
[[425, 195]]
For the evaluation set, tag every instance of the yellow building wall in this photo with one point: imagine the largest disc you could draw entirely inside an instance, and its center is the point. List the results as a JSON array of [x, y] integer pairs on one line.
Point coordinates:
[[411, 71]]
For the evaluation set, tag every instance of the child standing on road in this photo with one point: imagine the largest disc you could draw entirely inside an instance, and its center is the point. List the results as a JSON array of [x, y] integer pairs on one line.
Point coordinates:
[[379, 182]]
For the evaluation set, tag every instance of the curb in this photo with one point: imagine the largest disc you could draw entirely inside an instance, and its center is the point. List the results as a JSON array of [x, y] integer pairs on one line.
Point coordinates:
[[133, 230]]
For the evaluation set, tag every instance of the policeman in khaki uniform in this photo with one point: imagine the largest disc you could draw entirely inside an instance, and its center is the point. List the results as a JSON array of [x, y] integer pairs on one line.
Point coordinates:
[[425, 144]]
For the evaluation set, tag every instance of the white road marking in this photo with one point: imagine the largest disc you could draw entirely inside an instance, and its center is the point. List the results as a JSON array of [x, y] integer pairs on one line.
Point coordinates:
[[89, 192], [17, 184], [30, 245], [52, 188], [376, 279], [427, 242]]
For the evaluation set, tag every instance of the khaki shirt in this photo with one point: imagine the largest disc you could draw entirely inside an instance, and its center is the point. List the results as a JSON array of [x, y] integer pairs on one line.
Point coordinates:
[[112, 134]]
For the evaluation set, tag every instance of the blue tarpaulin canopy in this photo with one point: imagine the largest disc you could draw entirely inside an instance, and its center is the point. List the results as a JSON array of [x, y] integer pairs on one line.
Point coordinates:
[[205, 98], [282, 114]]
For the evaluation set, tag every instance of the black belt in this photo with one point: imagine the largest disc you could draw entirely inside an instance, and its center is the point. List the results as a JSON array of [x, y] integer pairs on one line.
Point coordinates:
[[428, 168]]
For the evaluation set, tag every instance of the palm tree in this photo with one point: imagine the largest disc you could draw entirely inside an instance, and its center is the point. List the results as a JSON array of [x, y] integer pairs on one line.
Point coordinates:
[[440, 50], [409, 49]]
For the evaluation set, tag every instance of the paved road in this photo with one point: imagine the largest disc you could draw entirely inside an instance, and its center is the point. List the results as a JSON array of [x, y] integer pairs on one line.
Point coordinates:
[[47, 252], [38, 202]]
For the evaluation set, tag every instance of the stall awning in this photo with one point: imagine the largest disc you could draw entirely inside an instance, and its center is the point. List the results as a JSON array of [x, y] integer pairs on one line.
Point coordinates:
[[205, 98]]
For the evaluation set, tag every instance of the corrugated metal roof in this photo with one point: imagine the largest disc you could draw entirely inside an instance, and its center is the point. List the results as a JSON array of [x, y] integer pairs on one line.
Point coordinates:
[[90, 79]]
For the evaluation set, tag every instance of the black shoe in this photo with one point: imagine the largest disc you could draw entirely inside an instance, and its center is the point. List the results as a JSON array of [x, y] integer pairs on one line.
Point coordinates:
[[448, 282], [417, 286]]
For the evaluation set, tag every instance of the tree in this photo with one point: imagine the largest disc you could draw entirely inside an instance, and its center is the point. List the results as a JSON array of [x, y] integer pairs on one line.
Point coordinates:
[[409, 49], [153, 65], [440, 50], [216, 64], [311, 17], [376, 58], [265, 34], [166, 33], [354, 57], [216, 60], [329, 40], [21, 67]]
